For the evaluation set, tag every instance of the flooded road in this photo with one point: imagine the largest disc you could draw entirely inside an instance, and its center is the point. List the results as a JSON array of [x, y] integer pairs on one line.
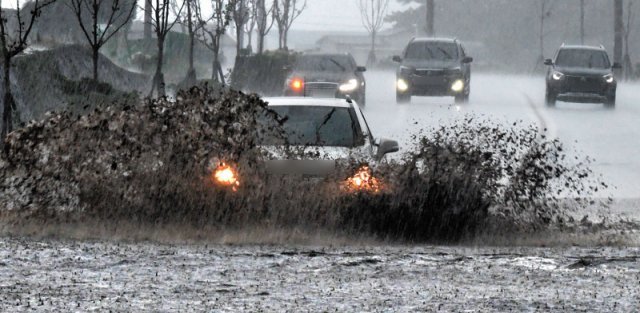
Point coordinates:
[[47, 276]]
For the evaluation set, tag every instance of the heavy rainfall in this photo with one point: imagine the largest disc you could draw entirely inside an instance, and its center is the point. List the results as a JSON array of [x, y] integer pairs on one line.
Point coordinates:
[[320, 155]]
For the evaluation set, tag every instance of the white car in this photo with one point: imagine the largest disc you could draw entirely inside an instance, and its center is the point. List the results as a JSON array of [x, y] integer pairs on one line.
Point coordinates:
[[322, 131]]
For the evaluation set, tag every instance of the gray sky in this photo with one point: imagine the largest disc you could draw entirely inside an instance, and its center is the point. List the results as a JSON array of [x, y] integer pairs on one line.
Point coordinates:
[[329, 15], [334, 15]]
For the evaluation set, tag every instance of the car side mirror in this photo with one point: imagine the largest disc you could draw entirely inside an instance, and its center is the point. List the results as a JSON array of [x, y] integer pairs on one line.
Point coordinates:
[[616, 65], [361, 69], [396, 59], [467, 60], [548, 62], [386, 146]]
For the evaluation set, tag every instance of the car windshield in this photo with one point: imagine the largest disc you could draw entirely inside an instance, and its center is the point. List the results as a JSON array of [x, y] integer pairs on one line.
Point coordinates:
[[323, 63], [313, 126], [582, 58], [432, 51]]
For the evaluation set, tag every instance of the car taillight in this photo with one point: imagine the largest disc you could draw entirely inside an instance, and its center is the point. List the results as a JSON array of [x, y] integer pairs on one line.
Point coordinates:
[[297, 84]]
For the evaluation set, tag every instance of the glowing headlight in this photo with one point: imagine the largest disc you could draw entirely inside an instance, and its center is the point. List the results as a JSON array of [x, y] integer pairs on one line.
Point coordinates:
[[351, 85], [296, 84], [402, 85], [458, 85], [608, 78], [224, 175], [363, 180], [557, 75]]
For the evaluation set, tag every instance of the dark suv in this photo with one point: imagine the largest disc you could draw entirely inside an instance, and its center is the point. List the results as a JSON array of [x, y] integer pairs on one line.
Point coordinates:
[[581, 74], [326, 75], [433, 67]]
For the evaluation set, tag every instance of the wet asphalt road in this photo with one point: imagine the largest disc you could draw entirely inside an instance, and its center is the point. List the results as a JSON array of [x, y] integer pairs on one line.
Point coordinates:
[[610, 137]]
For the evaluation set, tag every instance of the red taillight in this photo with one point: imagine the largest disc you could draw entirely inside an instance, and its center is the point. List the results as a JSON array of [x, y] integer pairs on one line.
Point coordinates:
[[297, 84]]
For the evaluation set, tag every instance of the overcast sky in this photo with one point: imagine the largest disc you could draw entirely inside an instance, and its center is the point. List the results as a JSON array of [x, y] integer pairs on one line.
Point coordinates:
[[335, 15], [329, 15]]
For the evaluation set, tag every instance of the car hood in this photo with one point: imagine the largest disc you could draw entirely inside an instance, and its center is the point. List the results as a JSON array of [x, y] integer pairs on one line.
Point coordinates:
[[332, 77], [312, 161], [582, 71], [432, 64]]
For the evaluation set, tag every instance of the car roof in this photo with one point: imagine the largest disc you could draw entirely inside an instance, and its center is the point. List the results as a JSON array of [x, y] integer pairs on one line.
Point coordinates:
[[582, 47], [307, 101], [434, 39]]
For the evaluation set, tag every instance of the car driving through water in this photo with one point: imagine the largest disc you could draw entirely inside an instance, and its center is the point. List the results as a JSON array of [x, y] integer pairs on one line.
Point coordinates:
[[581, 74], [327, 75], [324, 133], [433, 67]]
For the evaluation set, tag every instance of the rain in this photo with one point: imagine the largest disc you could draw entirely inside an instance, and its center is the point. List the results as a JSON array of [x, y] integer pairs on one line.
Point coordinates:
[[320, 155]]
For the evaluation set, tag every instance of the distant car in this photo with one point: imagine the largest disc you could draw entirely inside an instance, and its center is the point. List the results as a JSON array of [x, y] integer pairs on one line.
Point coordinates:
[[581, 74], [332, 130], [327, 75], [433, 67]]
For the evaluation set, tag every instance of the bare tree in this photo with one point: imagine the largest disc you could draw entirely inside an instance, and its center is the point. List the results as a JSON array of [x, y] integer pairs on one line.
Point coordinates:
[[191, 19], [162, 23], [212, 36], [285, 12], [373, 13], [263, 22], [241, 16], [431, 16], [250, 26], [14, 33], [102, 25]]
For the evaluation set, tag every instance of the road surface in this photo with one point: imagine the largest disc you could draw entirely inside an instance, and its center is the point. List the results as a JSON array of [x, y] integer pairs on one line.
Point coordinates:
[[611, 137]]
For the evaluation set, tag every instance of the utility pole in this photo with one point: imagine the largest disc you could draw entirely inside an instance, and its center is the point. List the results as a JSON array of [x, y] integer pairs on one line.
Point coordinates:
[[431, 5], [582, 22], [618, 29]]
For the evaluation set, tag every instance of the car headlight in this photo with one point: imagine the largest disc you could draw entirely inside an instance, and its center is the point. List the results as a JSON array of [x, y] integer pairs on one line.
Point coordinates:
[[363, 181], [557, 75], [402, 85], [457, 85], [350, 85], [226, 176], [608, 78], [296, 84]]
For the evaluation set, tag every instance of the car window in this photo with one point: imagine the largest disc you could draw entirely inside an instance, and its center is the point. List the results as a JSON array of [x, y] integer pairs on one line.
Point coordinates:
[[582, 58], [315, 126], [432, 51], [324, 63]]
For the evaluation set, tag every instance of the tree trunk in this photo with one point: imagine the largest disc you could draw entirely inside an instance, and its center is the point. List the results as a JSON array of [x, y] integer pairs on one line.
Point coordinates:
[[7, 114], [260, 43], [249, 42], [159, 77], [285, 39], [431, 6], [94, 57], [371, 60], [618, 31], [191, 72]]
